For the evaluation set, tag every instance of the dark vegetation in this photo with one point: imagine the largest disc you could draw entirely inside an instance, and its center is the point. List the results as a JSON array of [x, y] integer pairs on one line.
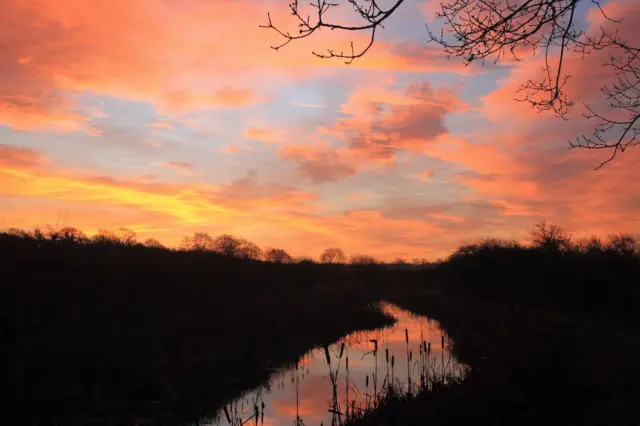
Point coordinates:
[[104, 330], [549, 332], [108, 331]]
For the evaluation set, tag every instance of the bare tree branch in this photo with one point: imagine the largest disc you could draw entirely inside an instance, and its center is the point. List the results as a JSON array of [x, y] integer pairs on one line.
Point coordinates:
[[481, 30], [367, 10]]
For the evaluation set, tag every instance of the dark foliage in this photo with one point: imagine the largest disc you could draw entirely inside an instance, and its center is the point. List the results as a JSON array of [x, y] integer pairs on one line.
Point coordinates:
[[548, 331], [106, 331]]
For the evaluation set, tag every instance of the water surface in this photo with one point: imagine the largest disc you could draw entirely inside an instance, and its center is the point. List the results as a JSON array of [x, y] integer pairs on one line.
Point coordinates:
[[316, 390]]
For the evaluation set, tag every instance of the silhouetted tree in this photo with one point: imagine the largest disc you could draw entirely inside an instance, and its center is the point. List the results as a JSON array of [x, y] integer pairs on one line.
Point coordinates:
[[362, 259], [227, 245], [123, 237], [152, 243], [480, 30], [200, 241], [16, 232], [484, 245], [126, 236], [623, 244], [70, 234], [277, 255], [589, 246], [550, 238], [333, 255], [248, 250], [104, 236]]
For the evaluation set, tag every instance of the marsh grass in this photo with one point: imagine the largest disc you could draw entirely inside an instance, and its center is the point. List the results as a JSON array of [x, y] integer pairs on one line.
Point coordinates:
[[434, 377]]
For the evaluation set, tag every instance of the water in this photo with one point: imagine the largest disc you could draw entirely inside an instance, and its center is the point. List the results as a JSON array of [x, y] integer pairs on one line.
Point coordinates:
[[307, 393]]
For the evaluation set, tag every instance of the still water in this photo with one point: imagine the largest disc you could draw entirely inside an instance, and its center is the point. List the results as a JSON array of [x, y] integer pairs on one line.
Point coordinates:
[[330, 383]]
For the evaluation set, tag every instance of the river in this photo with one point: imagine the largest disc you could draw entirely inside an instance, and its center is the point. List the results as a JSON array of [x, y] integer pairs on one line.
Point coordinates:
[[355, 369]]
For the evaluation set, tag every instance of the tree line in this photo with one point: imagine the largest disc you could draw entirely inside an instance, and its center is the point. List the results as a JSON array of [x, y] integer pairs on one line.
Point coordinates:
[[545, 237], [225, 244]]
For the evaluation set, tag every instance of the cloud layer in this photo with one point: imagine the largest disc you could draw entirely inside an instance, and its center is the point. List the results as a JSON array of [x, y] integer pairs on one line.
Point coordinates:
[[174, 117]]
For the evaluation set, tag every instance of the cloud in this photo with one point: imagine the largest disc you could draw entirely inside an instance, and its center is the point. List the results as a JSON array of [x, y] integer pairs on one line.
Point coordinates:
[[182, 167], [381, 123], [231, 149], [248, 193], [179, 164], [356, 197], [162, 125], [307, 105], [162, 52], [318, 163], [426, 175], [262, 134], [225, 97], [45, 113], [12, 156]]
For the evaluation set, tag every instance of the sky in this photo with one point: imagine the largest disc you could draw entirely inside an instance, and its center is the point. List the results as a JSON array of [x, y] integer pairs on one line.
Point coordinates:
[[171, 117]]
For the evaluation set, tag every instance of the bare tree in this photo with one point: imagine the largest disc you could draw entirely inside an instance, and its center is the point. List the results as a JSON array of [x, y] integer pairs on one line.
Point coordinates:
[[550, 238], [592, 245], [200, 241], [481, 30], [248, 250], [333, 255], [126, 236], [623, 244], [619, 128], [277, 255], [72, 235], [362, 259], [372, 17], [227, 245], [153, 243], [17, 232], [104, 236], [121, 237]]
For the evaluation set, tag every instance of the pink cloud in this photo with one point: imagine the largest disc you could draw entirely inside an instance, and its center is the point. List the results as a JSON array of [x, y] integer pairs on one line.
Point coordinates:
[[383, 122], [262, 134], [318, 163], [426, 175], [12, 156]]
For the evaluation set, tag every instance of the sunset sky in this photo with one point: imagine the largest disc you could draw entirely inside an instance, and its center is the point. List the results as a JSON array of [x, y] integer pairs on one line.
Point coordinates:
[[169, 117]]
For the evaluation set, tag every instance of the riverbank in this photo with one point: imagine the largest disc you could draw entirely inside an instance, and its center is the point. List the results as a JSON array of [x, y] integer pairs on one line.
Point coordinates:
[[529, 366], [119, 335], [103, 333]]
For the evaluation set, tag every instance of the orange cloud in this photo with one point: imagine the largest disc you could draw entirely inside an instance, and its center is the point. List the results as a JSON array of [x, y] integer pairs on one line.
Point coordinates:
[[162, 52], [426, 175], [179, 164], [269, 214], [12, 156], [182, 167], [162, 125], [23, 112], [262, 134]]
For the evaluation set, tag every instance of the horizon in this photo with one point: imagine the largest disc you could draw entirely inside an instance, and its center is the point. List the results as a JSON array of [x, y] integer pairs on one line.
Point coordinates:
[[184, 120]]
